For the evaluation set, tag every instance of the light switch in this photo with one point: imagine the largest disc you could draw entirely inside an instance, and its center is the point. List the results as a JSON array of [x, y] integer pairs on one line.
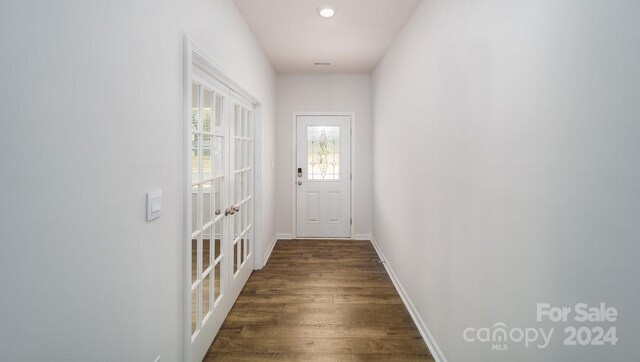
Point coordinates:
[[154, 204]]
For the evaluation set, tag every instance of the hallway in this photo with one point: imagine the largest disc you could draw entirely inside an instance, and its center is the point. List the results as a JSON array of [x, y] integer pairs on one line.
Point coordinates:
[[320, 180], [319, 300]]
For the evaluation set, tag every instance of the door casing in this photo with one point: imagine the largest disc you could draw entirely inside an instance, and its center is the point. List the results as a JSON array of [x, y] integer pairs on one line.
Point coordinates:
[[294, 150]]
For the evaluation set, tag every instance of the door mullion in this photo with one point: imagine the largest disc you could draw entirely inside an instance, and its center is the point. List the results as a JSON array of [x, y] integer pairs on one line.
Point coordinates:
[[231, 193]]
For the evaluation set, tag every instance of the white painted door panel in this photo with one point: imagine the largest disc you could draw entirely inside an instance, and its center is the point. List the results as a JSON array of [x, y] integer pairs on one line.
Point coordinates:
[[323, 176], [220, 210]]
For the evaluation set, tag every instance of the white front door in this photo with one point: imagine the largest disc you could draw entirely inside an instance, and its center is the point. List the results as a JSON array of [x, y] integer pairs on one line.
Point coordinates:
[[220, 206], [323, 176]]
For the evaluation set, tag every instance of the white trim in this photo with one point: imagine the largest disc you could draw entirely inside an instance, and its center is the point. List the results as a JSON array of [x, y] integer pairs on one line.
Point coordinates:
[[215, 70], [363, 236], [417, 319], [270, 249], [284, 236], [186, 219], [294, 151], [258, 174]]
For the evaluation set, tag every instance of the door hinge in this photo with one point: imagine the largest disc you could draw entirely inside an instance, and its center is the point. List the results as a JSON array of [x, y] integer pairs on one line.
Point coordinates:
[[350, 221]]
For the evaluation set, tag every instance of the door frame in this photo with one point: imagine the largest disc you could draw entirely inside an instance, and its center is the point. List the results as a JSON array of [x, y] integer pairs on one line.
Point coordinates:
[[196, 56], [294, 151]]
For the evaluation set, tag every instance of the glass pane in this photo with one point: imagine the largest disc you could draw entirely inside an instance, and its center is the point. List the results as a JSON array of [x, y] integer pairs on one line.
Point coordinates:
[[250, 124], [243, 256], [195, 175], [235, 257], [244, 216], [244, 153], [216, 281], [217, 201], [218, 119], [194, 310], [206, 243], [248, 151], [194, 260], [251, 154], [196, 209], [239, 187], [206, 156], [244, 123], [236, 191], [237, 118], [245, 184], [241, 220], [216, 234], [207, 106], [206, 287], [249, 211], [207, 200], [195, 98], [237, 164], [323, 153], [218, 165], [238, 255], [236, 222], [248, 243]]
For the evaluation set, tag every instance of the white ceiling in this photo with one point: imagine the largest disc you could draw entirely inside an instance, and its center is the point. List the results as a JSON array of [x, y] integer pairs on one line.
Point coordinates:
[[294, 36]]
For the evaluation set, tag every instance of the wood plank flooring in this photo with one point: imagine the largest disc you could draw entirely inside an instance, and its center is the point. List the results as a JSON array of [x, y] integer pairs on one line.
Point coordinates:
[[319, 300]]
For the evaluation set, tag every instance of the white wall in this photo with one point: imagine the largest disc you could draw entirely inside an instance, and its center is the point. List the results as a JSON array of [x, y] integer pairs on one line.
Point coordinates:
[[91, 117], [507, 134], [324, 93]]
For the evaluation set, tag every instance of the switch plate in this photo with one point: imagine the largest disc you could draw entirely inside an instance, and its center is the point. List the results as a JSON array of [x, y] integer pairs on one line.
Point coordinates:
[[154, 204]]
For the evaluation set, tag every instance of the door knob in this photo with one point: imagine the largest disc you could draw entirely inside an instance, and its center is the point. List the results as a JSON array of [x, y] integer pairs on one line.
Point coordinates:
[[229, 211], [299, 183], [217, 211], [236, 209]]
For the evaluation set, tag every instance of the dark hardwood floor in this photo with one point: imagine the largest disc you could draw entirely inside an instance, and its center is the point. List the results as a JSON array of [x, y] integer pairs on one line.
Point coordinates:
[[319, 300]]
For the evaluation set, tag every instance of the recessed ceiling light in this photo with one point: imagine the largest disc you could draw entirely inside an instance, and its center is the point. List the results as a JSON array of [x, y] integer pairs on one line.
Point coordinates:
[[326, 11]]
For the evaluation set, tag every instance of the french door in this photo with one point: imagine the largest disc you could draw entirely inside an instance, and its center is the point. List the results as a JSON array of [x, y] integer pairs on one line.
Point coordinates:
[[219, 210], [323, 182]]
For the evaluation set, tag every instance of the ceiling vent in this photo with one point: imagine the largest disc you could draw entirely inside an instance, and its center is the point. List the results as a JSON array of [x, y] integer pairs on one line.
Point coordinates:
[[321, 64]]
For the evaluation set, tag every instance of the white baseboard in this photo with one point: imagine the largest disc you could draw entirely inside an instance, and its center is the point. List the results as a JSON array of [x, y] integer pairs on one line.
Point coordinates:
[[284, 236], [424, 332], [288, 236], [269, 250]]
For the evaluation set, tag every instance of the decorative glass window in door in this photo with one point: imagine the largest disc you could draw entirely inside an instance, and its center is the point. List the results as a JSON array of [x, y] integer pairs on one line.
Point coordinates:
[[323, 153]]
